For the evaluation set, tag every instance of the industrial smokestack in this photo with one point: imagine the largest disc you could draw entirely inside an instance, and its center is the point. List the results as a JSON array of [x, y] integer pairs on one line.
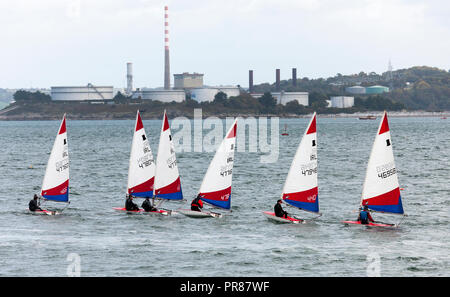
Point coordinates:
[[129, 78], [166, 49], [277, 80], [250, 81], [294, 77]]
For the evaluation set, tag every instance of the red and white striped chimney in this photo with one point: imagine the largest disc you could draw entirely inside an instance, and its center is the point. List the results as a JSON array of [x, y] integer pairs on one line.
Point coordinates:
[[166, 49]]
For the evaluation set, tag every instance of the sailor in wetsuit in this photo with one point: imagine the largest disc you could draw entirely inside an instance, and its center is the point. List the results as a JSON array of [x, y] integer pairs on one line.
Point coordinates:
[[197, 204], [364, 216], [148, 206], [33, 205], [130, 205], [279, 212]]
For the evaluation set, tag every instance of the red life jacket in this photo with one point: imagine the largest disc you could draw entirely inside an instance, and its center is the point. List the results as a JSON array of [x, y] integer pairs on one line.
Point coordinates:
[[197, 202]]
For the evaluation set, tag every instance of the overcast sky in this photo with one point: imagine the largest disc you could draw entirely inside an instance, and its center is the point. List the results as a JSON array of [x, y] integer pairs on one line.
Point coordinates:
[[72, 42]]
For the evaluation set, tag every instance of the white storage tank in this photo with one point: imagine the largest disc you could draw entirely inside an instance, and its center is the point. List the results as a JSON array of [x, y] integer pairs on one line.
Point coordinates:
[[356, 90], [82, 93], [208, 94], [342, 101], [164, 95], [285, 97]]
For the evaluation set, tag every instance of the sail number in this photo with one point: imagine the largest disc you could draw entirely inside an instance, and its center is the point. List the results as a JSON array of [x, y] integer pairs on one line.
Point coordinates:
[[388, 173], [386, 170], [145, 161], [62, 165]]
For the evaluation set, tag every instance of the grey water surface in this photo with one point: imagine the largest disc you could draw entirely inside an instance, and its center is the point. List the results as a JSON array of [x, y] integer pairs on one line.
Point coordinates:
[[243, 242]]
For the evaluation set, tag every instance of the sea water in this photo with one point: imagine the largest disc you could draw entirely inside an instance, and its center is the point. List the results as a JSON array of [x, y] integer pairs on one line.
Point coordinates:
[[102, 242]]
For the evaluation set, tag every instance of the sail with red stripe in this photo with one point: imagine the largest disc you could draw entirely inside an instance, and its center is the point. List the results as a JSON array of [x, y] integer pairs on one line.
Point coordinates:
[[141, 171], [381, 190], [55, 186], [167, 177], [300, 188], [216, 186]]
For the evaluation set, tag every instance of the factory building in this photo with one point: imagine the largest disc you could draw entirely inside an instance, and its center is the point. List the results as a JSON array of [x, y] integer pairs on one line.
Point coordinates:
[[342, 101], [187, 80], [355, 90], [376, 90], [82, 93], [163, 95], [285, 97]]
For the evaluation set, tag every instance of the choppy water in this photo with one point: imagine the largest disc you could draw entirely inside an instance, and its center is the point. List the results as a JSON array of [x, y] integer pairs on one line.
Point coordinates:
[[243, 243]]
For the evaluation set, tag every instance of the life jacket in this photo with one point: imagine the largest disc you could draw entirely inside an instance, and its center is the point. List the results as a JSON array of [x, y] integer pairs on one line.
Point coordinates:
[[197, 202], [364, 217]]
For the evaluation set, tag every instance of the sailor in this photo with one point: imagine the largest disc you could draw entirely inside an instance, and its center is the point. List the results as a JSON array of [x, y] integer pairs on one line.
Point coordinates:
[[279, 212], [130, 205], [197, 204], [147, 205], [33, 205], [364, 216]]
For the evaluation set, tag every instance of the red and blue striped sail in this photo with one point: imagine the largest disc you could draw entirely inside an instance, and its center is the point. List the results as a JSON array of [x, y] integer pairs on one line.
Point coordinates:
[[300, 189], [381, 190], [55, 186], [216, 185], [141, 171], [167, 177]]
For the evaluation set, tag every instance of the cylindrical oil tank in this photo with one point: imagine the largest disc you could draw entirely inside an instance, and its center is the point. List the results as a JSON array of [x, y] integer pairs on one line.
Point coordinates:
[[82, 93]]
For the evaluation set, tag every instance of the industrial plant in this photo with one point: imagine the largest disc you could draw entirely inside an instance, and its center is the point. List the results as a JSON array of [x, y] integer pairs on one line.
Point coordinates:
[[185, 85], [281, 96]]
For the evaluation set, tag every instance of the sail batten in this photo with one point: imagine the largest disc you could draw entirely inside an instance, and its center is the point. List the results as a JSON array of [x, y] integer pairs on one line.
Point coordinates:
[[301, 188]]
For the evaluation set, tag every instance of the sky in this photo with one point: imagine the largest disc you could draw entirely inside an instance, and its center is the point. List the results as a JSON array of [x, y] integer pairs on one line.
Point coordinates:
[[46, 43]]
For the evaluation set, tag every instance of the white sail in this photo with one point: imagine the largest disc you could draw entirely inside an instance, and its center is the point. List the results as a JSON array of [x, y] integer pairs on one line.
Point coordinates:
[[167, 177], [300, 189], [55, 185], [141, 171], [216, 186], [381, 191]]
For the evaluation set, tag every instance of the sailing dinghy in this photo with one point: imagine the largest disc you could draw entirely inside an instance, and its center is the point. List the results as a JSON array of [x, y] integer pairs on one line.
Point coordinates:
[[55, 186], [381, 190], [167, 186], [215, 189], [300, 188], [141, 170]]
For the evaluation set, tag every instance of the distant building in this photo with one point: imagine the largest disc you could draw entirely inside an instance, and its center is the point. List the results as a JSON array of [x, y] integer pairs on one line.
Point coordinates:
[[82, 93], [187, 80], [355, 90], [377, 90], [285, 97], [342, 101], [208, 93]]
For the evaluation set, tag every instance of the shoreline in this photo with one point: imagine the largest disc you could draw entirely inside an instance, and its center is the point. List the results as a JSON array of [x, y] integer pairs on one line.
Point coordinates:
[[111, 116]]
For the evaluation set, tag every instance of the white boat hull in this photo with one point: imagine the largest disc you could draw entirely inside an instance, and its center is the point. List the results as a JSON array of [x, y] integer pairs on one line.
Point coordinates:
[[271, 216], [199, 214]]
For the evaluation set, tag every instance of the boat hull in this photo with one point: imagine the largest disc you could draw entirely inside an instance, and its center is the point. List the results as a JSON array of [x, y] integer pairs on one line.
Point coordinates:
[[358, 223], [199, 214], [141, 211], [44, 212], [289, 220]]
